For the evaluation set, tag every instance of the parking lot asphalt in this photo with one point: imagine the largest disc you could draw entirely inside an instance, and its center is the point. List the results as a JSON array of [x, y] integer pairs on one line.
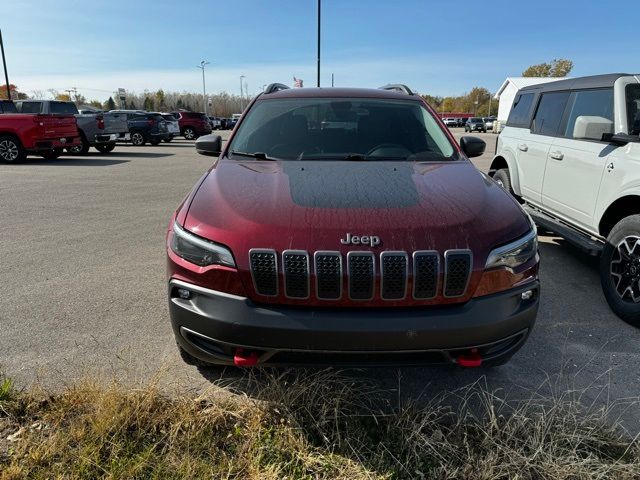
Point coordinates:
[[83, 288]]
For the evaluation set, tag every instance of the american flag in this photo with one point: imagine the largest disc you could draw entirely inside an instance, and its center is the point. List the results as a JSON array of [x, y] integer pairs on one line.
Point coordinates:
[[297, 82]]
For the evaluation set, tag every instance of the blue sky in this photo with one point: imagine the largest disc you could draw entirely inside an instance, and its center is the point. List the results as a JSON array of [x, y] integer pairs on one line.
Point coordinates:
[[437, 47]]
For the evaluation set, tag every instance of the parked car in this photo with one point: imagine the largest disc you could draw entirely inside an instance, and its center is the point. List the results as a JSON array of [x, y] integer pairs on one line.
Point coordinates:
[[488, 122], [97, 130], [193, 124], [304, 245], [475, 124], [570, 153], [460, 122], [450, 122], [173, 126], [145, 127], [215, 123], [231, 123], [38, 134]]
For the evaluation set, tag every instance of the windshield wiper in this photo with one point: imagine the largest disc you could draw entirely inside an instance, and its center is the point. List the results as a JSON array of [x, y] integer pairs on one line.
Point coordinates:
[[256, 155]]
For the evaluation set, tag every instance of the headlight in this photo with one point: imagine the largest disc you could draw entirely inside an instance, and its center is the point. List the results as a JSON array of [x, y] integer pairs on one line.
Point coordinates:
[[199, 251], [515, 253]]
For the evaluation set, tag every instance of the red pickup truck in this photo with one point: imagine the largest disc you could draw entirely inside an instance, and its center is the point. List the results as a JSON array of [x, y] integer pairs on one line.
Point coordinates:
[[45, 135]]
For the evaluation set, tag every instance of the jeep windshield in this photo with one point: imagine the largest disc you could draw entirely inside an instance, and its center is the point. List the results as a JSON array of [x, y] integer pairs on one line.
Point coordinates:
[[340, 129]]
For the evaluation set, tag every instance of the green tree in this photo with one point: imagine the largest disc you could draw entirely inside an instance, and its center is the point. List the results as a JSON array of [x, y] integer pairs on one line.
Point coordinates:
[[110, 104], [147, 104], [160, 99], [95, 104], [558, 67]]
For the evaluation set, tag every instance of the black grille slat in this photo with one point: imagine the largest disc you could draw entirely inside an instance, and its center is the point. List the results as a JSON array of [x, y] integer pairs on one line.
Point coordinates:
[[426, 268], [458, 270], [295, 266], [264, 269], [328, 268], [361, 272], [393, 270]]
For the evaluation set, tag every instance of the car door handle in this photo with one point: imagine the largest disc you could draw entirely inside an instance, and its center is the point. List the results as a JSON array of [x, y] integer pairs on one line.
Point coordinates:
[[556, 155], [523, 147]]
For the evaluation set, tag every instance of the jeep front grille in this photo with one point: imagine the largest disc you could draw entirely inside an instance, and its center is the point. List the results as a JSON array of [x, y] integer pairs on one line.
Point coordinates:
[[264, 270], [457, 272], [396, 274], [295, 267], [361, 272], [426, 269], [328, 268]]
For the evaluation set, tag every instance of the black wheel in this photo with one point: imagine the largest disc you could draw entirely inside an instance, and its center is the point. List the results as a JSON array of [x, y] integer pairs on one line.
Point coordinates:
[[137, 139], [502, 178], [105, 147], [52, 154], [81, 149], [620, 270], [155, 142], [167, 140], [11, 150], [189, 133]]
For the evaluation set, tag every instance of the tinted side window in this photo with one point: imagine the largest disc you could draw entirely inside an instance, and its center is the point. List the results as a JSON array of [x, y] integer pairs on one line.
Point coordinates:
[[519, 116], [63, 108], [592, 103], [549, 114], [633, 109], [31, 107]]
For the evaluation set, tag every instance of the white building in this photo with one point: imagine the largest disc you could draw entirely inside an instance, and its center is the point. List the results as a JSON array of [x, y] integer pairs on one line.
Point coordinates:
[[510, 87]]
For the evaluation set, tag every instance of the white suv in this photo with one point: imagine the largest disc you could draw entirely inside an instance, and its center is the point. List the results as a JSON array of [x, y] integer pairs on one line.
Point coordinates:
[[571, 153]]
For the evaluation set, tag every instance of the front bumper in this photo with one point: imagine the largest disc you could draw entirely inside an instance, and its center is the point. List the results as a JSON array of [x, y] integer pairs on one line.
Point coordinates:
[[212, 325]]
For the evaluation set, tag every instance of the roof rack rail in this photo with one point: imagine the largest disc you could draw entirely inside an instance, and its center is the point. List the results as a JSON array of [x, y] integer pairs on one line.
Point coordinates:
[[275, 87], [397, 87]]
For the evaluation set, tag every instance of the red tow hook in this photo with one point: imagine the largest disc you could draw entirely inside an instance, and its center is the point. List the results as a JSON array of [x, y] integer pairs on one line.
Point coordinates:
[[245, 359], [470, 360]]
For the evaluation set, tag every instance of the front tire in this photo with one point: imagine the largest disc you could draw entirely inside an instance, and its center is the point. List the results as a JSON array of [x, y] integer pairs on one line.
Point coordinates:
[[620, 270], [502, 178], [11, 150], [189, 133], [52, 154], [155, 142], [137, 139], [106, 148], [81, 149]]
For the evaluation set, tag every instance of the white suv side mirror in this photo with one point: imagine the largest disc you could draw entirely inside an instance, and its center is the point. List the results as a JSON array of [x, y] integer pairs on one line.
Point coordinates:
[[592, 127]]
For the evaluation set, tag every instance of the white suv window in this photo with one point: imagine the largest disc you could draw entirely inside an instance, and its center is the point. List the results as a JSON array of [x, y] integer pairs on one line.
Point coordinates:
[[594, 103], [633, 108], [549, 114], [519, 116]]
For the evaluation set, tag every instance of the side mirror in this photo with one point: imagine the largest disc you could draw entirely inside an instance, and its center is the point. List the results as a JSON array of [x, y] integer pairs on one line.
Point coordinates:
[[588, 127], [210, 145], [472, 146]]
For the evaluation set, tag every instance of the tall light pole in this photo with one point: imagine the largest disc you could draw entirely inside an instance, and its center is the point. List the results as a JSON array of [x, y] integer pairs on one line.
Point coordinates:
[[4, 64], [241, 93], [319, 9], [204, 63]]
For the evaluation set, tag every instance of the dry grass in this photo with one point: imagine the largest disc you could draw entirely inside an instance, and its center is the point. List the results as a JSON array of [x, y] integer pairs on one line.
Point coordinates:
[[313, 425]]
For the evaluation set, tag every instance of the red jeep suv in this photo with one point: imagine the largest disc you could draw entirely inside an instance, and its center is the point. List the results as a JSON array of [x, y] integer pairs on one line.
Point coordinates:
[[346, 226]]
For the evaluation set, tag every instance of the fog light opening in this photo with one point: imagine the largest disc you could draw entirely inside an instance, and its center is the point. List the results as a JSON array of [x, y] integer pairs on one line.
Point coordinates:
[[527, 295], [184, 294]]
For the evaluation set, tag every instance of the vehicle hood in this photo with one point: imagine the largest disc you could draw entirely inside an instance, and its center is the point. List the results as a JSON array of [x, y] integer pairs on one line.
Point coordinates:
[[311, 205]]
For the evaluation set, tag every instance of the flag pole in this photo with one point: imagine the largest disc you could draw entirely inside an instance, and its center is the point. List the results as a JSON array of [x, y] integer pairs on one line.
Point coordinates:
[[318, 81], [4, 64]]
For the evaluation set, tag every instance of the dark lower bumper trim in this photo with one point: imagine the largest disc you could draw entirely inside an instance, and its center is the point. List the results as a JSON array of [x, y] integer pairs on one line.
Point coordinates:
[[231, 321]]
